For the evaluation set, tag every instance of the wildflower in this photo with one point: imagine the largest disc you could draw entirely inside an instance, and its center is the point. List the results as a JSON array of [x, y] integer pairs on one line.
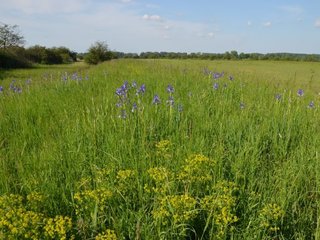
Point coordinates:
[[107, 235], [142, 89], [197, 169], [215, 86], [278, 96], [119, 104], [74, 76], [163, 148], [119, 91], [156, 100], [242, 105], [125, 86], [179, 209], [1, 89], [217, 75], [231, 78], [300, 92], [170, 89], [28, 81], [18, 90], [159, 174], [134, 84], [134, 107], [311, 104], [170, 101], [219, 208], [270, 217]]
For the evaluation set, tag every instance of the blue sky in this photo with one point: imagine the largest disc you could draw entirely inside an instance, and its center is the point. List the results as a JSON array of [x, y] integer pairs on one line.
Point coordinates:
[[169, 25]]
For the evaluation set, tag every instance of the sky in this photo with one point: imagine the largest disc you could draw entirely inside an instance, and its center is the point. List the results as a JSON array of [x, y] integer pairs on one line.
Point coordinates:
[[136, 26]]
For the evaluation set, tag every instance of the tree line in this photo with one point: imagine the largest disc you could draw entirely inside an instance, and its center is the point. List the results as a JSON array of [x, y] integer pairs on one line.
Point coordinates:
[[232, 55], [13, 54]]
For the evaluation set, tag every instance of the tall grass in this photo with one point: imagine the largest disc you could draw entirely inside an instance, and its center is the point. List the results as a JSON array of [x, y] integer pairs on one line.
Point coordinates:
[[231, 159]]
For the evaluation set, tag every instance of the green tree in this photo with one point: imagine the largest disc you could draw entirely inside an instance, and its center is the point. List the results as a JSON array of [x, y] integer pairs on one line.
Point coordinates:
[[98, 52], [10, 36]]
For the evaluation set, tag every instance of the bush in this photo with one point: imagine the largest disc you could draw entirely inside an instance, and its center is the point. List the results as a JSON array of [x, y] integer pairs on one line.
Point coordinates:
[[98, 53], [13, 59]]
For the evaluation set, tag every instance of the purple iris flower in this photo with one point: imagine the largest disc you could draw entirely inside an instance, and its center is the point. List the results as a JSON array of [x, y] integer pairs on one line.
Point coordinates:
[[120, 92], [215, 86], [278, 96], [156, 100], [300, 92], [1, 89], [311, 104], [134, 107], [170, 89], [142, 89]]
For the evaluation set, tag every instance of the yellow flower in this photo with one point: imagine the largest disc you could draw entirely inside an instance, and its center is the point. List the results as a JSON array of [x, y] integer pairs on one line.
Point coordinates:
[[106, 235], [197, 169], [270, 217], [180, 208]]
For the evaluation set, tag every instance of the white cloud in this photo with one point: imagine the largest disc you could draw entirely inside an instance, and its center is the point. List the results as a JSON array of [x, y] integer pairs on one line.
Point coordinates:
[[126, 1], [267, 24], [211, 34], [249, 23], [317, 23], [46, 6], [152, 17]]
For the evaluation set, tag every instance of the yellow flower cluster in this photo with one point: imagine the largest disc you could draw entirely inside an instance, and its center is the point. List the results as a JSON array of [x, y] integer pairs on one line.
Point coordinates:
[[58, 227], [270, 217], [159, 174], [220, 207], [35, 200], [163, 148], [125, 179], [87, 200], [179, 208], [101, 175], [197, 169], [124, 175], [162, 179], [106, 235], [17, 222]]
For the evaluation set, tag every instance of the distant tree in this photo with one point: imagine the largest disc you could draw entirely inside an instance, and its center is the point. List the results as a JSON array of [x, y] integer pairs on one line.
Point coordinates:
[[97, 53], [10, 36]]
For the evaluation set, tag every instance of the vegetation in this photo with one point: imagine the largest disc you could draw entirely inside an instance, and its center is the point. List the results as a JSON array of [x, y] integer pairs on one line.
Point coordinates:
[[98, 53], [233, 55], [165, 149]]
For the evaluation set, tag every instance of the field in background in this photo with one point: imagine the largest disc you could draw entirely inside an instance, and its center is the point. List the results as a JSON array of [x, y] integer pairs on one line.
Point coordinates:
[[161, 149]]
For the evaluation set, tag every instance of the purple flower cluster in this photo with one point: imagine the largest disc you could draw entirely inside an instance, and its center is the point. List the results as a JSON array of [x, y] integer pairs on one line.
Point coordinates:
[[74, 77], [14, 87], [129, 98]]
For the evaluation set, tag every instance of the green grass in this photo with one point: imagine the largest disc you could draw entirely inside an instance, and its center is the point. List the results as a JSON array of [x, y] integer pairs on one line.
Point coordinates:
[[257, 165]]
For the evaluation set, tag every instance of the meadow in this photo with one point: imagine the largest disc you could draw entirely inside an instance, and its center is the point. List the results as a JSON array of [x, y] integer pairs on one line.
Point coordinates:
[[161, 149]]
